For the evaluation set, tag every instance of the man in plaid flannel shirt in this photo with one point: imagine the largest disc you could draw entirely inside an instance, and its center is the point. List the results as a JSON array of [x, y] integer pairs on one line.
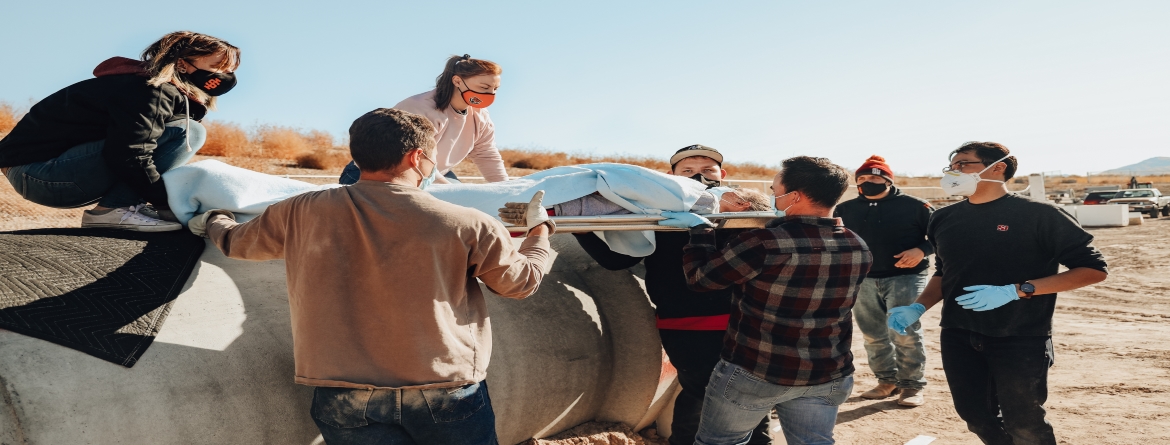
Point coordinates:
[[794, 285]]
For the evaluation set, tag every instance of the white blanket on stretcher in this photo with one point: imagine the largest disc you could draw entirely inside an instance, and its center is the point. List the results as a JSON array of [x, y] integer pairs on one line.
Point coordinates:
[[206, 185]]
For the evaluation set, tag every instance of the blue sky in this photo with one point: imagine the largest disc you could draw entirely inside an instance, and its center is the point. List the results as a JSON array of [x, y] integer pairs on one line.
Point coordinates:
[[1070, 86]]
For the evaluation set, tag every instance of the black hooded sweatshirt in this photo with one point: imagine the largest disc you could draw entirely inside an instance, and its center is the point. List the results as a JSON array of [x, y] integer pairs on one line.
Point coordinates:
[[891, 225], [117, 106], [666, 284]]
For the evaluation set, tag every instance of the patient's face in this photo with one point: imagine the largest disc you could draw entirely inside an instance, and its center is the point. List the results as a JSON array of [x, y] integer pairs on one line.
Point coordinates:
[[730, 202], [699, 164]]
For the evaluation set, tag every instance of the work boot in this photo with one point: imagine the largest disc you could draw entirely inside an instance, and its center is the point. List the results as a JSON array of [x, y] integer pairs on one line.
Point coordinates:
[[126, 218], [911, 398], [881, 391]]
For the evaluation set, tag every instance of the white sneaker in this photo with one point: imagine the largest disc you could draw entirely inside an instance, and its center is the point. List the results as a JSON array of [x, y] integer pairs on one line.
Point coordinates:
[[127, 218]]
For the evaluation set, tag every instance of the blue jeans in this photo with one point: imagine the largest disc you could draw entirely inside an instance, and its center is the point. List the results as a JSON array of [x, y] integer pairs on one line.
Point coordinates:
[[80, 177], [894, 358], [351, 174], [456, 416], [695, 354], [999, 385], [736, 400]]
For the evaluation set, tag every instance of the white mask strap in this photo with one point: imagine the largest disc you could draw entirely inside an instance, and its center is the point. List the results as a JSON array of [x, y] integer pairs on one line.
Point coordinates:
[[993, 165]]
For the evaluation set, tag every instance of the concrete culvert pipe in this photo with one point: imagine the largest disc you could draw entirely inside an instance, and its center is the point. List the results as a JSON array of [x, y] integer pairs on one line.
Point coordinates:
[[582, 348]]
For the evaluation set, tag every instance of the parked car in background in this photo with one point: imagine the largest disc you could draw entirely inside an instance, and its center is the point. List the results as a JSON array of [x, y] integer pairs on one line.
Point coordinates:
[[1096, 198], [1148, 201]]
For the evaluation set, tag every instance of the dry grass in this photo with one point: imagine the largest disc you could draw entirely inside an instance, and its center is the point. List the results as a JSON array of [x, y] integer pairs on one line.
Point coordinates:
[[8, 117], [225, 139], [306, 149], [543, 160], [324, 159]]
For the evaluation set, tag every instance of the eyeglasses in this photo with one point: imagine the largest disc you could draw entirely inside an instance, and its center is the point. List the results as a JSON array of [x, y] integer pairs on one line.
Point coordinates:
[[960, 165]]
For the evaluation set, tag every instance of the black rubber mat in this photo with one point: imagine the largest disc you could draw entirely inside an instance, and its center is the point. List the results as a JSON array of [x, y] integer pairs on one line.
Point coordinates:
[[99, 291]]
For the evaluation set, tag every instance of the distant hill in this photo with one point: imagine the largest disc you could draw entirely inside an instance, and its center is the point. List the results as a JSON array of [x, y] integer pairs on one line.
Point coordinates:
[[1152, 166]]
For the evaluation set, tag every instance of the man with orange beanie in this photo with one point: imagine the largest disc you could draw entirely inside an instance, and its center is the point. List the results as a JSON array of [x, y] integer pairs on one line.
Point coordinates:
[[894, 227]]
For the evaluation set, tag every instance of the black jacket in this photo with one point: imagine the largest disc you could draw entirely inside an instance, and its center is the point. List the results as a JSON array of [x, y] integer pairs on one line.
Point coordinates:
[[665, 282], [117, 106], [889, 226]]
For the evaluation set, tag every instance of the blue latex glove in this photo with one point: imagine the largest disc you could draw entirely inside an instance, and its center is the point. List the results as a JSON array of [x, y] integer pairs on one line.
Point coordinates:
[[986, 298], [683, 220], [902, 317]]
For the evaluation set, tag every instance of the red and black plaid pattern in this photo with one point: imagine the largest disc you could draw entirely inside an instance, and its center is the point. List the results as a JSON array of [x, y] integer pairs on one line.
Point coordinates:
[[793, 288]]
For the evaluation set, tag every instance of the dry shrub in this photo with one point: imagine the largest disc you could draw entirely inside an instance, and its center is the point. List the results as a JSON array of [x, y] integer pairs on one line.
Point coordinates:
[[311, 149], [749, 169], [324, 159], [277, 142], [225, 139], [542, 160], [8, 117]]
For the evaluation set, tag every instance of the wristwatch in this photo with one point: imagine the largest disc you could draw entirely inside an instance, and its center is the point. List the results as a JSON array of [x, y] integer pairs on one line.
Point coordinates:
[[1028, 289]]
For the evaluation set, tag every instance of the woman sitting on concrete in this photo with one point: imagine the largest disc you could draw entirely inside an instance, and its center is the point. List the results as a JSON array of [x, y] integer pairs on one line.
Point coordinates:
[[109, 139]]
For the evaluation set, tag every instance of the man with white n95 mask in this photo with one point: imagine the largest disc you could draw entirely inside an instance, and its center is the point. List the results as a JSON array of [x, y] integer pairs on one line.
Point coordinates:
[[997, 257]]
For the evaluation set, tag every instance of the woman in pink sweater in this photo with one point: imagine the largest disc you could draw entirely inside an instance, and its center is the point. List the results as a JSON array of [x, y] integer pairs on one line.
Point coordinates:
[[457, 107]]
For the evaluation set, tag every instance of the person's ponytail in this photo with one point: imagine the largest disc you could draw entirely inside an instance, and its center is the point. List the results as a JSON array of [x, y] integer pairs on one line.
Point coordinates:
[[463, 66]]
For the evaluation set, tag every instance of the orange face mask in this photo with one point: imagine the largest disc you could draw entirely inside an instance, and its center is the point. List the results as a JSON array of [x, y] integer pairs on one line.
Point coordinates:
[[475, 99]]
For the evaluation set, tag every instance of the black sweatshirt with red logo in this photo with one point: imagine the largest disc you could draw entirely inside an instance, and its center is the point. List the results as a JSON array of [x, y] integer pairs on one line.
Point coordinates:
[[1006, 241], [117, 106]]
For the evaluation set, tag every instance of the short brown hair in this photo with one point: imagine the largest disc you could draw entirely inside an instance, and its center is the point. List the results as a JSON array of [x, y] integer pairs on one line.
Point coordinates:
[[989, 153], [463, 66], [380, 139], [822, 181]]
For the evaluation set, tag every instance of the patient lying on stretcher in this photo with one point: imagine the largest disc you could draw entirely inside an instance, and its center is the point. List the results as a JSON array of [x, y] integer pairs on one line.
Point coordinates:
[[714, 200]]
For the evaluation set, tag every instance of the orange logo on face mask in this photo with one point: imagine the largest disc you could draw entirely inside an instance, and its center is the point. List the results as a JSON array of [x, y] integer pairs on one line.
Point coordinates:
[[478, 100], [211, 84]]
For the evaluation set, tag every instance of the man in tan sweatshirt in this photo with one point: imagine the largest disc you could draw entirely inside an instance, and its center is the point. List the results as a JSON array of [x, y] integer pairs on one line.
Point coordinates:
[[389, 323]]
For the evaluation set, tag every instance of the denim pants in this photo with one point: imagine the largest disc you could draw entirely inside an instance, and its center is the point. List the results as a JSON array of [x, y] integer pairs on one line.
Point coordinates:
[[80, 177], [894, 358], [351, 174], [736, 401], [459, 415], [694, 355], [999, 385]]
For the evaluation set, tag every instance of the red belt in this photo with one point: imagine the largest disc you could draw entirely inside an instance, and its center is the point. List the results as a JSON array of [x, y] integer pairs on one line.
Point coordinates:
[[705, 323]]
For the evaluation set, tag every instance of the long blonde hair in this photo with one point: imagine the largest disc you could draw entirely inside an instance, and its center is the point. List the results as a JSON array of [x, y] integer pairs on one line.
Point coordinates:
[[161, 57]]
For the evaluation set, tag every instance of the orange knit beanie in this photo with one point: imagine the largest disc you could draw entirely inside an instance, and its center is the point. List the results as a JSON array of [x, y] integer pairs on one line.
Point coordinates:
[[876, 165]]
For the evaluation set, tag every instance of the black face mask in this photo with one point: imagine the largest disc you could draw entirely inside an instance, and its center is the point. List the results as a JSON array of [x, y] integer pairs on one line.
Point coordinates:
[[707, 182], [214, 84], [872, 188]]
